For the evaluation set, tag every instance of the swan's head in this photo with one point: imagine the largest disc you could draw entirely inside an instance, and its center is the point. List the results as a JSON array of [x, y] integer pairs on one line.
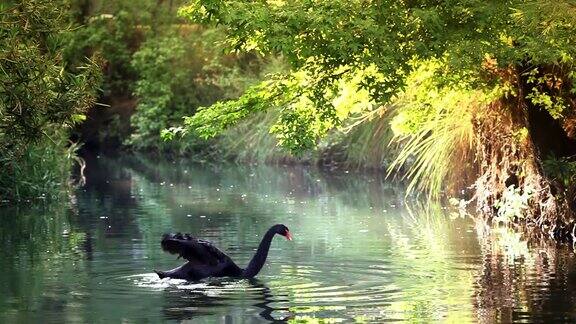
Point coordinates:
[[282, 230]]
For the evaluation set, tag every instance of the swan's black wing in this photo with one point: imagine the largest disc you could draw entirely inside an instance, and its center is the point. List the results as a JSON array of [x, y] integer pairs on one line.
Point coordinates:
[[193, 249]]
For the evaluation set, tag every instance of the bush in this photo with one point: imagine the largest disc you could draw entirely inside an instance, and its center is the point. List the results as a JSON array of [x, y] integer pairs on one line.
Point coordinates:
[[41, 170], [178, 71], [42, 96]]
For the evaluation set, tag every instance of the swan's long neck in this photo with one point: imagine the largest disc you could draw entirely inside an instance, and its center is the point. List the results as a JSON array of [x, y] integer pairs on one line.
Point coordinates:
[[259, 258]]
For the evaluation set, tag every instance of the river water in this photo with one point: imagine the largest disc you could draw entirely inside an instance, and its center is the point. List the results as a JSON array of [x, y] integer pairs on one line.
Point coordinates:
[[361, 252]]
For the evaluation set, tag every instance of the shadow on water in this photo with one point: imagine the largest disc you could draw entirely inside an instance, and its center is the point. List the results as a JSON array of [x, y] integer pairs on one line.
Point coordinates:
[[361, 252]]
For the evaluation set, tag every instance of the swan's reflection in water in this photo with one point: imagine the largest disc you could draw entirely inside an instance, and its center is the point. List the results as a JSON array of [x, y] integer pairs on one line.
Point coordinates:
[[185, 301], [270, 313]]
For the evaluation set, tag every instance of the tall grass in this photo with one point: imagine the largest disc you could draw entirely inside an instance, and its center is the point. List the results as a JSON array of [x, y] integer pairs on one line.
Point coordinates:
[[38, 170], [439, 148], [364, 143], [433, 122], [251, 140]]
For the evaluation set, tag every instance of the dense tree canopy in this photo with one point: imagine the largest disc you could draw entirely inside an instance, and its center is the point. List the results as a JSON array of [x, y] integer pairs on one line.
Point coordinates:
[[485, 88], [472, 94], [479, 43]]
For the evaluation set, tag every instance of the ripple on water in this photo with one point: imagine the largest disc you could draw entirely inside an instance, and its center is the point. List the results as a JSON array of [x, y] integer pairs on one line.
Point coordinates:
[[343, 289], [301, 289], [152, 281]]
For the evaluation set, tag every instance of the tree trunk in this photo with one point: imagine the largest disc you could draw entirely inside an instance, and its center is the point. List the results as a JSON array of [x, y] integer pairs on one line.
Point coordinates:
[[514, 136]]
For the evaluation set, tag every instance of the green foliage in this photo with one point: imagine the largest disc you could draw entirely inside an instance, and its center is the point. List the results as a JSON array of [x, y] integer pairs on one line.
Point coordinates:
[[41, 95], [319, 36], [473, 51], [546, 92], [113, 37], [115, 29], [324, 35], [299, 126], [155, 88], [208, 123], [40, 170], [214, 120], [37, 87], [560, 169], [179, 71]]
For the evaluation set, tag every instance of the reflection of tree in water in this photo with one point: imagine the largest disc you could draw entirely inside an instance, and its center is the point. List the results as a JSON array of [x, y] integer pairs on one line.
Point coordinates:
[[184, 304], [38, 251], [523, 280], [298, 182], [238, 203], [107, 193]]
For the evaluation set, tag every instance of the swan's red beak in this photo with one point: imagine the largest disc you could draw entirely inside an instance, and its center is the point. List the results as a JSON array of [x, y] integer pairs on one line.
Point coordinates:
[[288, 236]]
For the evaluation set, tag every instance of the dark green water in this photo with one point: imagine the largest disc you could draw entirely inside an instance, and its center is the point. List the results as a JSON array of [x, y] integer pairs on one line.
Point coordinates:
[[360, 252]]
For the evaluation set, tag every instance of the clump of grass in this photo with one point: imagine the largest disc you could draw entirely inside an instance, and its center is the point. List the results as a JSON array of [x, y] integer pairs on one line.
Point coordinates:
[[251, 140], [39, 169], [364, 143], [434, 124], [440, 145]]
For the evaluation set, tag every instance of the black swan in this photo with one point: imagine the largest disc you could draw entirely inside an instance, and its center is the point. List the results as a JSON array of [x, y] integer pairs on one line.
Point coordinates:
[[205, 260]]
